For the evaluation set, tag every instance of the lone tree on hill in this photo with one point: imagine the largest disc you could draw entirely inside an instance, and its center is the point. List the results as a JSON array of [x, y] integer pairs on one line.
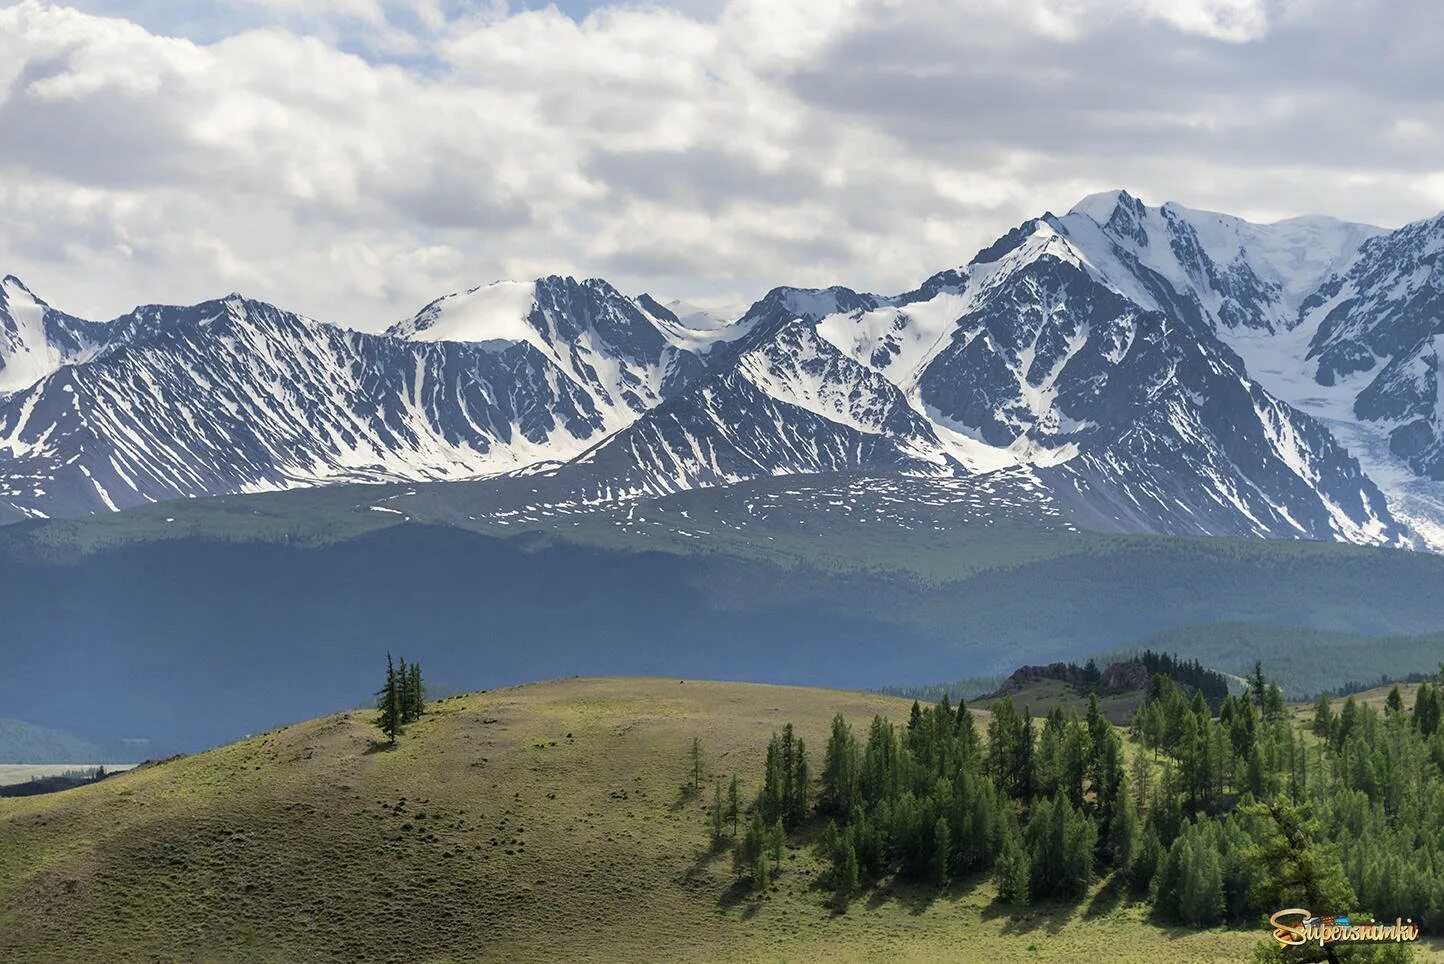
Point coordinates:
[[696, 755], [389, 701]]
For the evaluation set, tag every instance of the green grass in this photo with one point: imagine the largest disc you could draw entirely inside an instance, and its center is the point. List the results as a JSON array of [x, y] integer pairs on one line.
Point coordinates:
[[542, 822]]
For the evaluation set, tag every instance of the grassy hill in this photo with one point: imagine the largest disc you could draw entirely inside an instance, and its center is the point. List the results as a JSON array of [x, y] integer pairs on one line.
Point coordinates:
[[1042, 696], [538, 822]]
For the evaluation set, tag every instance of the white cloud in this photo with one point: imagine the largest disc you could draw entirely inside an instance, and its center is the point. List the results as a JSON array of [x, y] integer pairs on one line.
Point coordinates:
[[355, 158]]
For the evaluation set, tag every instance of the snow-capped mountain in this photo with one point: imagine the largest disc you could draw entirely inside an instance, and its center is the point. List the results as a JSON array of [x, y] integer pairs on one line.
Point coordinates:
[[36, 340], [792, 404], [1383, 320], [237, 396], [626, 359], [1231, 273], [1149, 369], [1334, 318]]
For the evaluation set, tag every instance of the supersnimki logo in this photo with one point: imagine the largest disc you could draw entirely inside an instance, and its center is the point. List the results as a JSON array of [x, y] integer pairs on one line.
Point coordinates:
[[1295, 926]]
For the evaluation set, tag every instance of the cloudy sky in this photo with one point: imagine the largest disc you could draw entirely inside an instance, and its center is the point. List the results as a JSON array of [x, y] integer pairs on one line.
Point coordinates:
[[353, 159]]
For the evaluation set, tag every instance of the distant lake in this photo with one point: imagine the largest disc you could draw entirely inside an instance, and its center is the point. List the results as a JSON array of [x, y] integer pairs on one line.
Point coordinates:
[[21, 772]]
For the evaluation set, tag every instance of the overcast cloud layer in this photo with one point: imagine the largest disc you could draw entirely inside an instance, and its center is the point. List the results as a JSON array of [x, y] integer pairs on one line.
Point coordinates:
[[353, 159]]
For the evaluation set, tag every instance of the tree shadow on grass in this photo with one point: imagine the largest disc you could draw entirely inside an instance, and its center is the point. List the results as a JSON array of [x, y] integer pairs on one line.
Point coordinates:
[[1108, 899], [378, 746], [705, 859], [1050, 917], [741, 894], [915, 898]]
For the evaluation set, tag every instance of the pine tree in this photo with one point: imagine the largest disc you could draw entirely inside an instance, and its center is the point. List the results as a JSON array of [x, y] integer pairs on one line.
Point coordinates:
[[788, 762], [696, 757], [801, 778], [839, 770], [749, 860], [1394, 703], [1323, 716], [388, 701], [417, 692], [1258, 685], [403, 683], [941, 853], [1348, 719], [1427, 709], [1274, 707]]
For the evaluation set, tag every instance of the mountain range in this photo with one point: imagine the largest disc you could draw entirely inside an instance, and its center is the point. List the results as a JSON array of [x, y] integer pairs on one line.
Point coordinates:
[[1140, 370]]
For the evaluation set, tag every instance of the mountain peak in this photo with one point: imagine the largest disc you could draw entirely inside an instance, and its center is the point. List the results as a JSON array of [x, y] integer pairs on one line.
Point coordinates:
[[1102, 205], [11, 281]]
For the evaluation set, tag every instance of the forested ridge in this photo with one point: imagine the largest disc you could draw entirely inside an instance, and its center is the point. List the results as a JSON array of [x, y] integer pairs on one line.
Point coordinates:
[[1210, 816]]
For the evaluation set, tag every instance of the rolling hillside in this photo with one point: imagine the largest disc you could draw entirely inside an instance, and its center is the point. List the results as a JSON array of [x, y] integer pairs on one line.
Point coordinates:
[[542, 822]]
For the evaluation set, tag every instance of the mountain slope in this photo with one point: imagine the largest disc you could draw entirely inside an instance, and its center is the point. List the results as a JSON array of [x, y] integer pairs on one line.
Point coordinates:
[[36, 340], [1157, 421], [794, 404], [235, 395], [1335, 319]]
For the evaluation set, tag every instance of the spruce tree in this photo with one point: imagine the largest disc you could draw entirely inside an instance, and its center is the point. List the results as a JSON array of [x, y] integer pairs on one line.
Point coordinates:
[[1323, 716], [1348, 719], [801, 777], [1274, 707], [1427, 709], [403, 683], [1394, 704], [941, 853], [388, 702], [417, 692], [839, 770], [1257, 685]]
